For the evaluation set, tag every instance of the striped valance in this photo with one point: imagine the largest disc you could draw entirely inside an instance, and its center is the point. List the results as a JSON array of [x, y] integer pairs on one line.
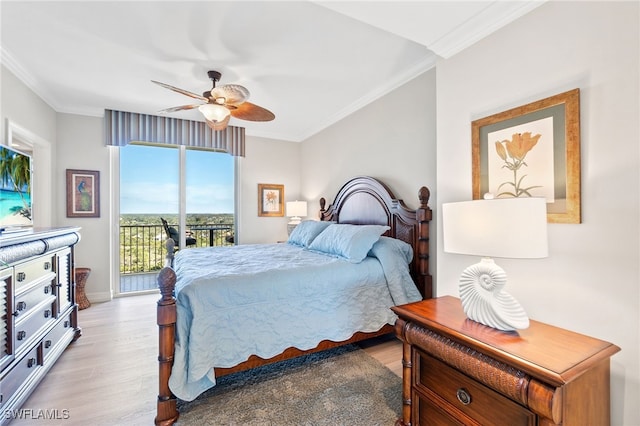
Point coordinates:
[[122, 128]]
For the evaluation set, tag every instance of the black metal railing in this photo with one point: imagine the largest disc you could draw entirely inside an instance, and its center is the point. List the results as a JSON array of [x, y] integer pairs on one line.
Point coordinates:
[[142, 247]]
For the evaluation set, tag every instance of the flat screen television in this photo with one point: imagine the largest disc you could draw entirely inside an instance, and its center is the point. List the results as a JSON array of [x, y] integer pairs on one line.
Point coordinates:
[[15, 189]]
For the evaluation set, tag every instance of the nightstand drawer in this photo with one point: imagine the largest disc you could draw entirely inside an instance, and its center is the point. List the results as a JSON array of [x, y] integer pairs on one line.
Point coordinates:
[[467, 395], [431, 413]]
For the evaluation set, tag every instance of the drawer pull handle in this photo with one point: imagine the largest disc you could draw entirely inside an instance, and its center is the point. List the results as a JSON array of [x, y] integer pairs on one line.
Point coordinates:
[[21, 276], [47, 266], [47, 344], [46, 289], [31, 362], [47, 313], [21, 335], [21, 306], [463, 396]]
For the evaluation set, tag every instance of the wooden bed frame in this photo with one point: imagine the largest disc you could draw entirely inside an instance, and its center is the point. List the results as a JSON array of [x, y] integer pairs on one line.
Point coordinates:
[[362, 200]]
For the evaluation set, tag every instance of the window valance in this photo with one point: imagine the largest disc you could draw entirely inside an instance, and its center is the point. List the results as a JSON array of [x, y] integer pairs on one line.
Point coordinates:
[[122, 128]]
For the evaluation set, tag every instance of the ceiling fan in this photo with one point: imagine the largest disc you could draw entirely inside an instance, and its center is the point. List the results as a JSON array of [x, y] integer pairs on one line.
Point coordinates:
[[222, 103]]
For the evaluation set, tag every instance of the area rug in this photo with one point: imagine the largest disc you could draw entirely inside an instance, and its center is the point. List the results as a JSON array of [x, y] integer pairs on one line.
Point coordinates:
[[342, 386]]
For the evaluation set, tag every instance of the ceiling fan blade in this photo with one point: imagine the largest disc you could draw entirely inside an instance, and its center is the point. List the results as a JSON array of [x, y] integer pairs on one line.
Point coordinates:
[[233, 94], [180, 108], [252, 112], [184, 92], [218, 125]]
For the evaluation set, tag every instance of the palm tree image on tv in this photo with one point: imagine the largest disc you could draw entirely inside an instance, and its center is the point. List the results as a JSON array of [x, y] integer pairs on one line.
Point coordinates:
[[15, 187]]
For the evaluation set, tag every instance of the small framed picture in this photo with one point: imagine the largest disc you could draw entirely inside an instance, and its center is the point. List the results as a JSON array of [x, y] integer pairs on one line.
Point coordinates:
[[270, 199], [83, 193]]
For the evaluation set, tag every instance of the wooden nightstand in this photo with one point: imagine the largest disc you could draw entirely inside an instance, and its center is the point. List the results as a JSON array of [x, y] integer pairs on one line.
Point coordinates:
[[459, 372]]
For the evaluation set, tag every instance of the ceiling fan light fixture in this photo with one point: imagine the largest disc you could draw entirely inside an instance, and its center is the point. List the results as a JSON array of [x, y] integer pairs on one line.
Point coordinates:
[[214, 112]]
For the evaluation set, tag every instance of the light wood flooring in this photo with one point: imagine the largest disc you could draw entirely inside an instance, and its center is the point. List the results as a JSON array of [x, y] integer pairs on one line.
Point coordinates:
[[110, 375]]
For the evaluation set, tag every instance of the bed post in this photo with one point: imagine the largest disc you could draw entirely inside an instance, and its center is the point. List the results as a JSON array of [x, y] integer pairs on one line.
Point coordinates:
[[167, 412], [323, 209], [423, 217]]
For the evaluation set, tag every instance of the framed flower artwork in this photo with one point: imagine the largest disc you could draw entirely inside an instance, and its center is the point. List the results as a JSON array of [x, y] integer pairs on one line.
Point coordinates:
[[532, 151], [270, 199]]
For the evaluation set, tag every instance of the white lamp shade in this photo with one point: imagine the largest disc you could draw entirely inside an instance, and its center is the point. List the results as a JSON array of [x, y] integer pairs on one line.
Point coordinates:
[[504, 227], [296, 208], [214, 112]]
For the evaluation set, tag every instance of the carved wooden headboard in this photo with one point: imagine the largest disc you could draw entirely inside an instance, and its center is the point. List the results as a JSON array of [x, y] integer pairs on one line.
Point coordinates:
[[367, 201]]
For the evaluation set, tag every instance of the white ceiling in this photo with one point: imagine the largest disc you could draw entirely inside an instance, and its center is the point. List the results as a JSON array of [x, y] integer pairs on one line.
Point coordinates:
[[311, 63]]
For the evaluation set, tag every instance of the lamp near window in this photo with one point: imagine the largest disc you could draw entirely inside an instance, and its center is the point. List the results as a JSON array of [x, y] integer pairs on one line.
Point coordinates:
[[296, 210], [505, 227]]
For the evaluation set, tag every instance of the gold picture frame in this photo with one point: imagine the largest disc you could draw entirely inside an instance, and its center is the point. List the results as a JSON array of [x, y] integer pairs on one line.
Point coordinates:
[[83, 193], [532, 150], [270, 200]]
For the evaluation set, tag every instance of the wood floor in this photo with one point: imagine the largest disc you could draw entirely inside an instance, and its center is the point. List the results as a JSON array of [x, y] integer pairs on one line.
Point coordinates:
[[110, 375]]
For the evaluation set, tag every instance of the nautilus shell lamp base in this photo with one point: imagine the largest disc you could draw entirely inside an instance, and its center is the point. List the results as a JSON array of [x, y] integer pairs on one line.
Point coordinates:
[[485, 301]]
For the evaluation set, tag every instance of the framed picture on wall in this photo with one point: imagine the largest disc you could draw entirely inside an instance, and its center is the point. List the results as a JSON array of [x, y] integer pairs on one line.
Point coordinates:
[[83, 193], [532, 151], [270, 199]]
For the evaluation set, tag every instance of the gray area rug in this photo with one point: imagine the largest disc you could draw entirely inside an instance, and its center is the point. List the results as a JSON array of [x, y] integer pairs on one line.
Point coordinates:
[[342, 386]]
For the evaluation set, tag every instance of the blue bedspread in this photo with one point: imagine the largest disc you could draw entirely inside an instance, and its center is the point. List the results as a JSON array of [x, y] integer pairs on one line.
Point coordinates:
[[261, 299]]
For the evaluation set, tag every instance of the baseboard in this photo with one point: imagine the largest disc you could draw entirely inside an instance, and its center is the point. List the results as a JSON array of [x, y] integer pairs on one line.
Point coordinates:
[[103, 296]]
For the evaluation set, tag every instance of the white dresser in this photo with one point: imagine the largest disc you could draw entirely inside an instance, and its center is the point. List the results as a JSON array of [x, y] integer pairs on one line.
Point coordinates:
[[38, 310]]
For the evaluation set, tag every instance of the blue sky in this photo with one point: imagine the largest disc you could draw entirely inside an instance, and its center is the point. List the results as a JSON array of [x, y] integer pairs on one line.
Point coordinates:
[[149, 181]]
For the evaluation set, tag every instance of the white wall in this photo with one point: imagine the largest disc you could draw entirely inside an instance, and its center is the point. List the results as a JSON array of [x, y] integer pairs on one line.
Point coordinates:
[[81, 146], [21, 105], [590, 281], [392, 139], [266, 161], [35, 121]]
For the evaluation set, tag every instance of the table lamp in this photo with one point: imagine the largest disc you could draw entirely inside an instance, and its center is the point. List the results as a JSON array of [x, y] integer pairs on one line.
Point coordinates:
[[296, 210], [505, 227]]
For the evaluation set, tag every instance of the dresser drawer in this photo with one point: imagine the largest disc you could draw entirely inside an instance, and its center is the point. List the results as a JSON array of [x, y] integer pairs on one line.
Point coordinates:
[[32, 297], [30, 271], [57, 335], [468, 396], [30, 325], [10, 383]]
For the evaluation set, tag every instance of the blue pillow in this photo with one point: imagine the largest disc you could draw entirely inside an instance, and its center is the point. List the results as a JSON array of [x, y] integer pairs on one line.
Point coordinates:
[[306, 231], [387, 246], [349, 242]]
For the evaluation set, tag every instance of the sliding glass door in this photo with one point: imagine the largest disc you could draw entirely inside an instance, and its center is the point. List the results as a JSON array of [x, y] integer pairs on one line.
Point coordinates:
[[171, 192]]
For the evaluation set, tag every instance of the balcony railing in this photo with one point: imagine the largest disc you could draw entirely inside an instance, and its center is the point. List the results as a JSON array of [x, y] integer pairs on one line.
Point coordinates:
[[142, 247]]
